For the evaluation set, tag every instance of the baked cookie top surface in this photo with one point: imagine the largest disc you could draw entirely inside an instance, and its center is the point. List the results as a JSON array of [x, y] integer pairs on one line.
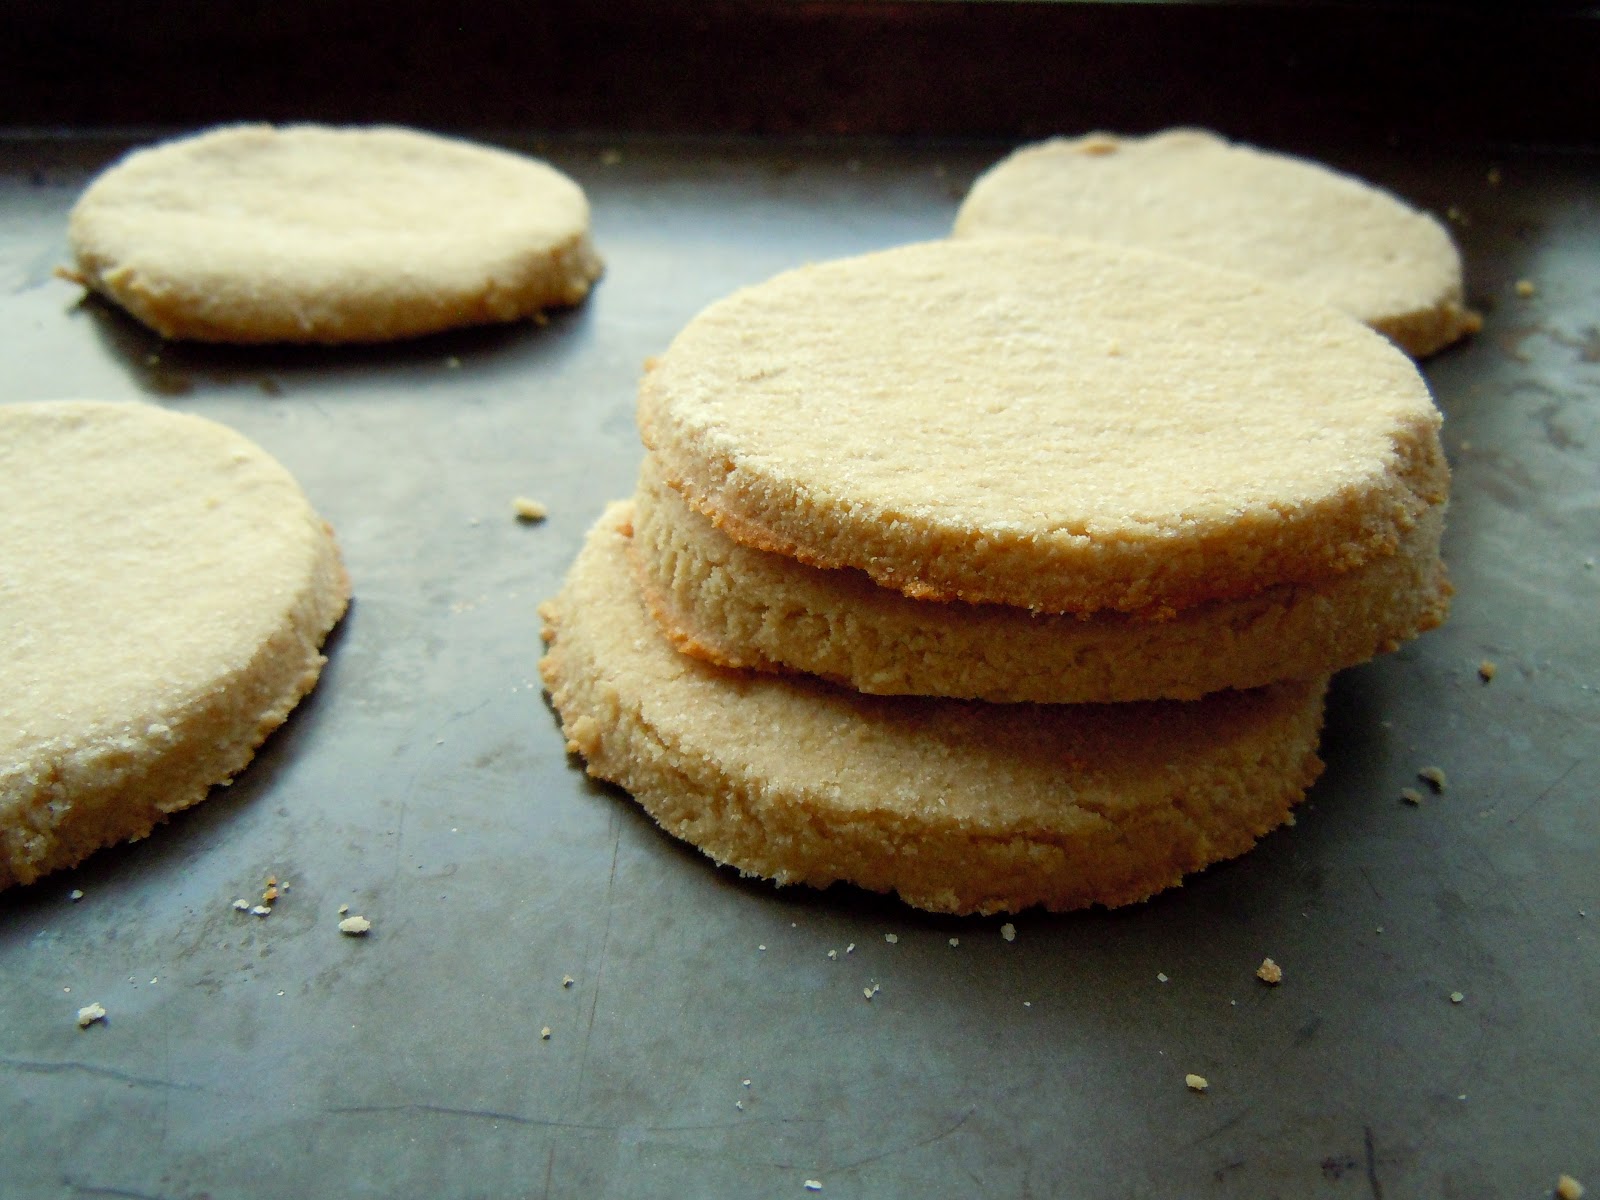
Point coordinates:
[[258, 233], [1059, 425], [961, 806], [164, 584], [1329, 236]]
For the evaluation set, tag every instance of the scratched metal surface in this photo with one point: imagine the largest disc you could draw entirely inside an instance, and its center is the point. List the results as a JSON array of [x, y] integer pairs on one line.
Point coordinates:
[[715, 1040]]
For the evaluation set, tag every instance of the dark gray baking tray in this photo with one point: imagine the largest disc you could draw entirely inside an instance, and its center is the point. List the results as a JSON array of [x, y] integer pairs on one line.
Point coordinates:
[[714, 1039]]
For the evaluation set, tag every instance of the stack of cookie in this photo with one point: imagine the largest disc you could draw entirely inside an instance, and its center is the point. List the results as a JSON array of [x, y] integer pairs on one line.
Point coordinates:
[[998, 573]]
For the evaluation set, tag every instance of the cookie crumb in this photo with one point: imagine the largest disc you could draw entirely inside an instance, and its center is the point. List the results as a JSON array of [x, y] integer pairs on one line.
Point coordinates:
[[955, 941], [1161, 977], [1487, 670], [870, 992], [891, 938], [544, 1034], [1525, 288], [567, 981], [75, 895], [1434, 777], [89, 1014], [1008, 931], [1456, 997], [261, 910], [1196, 1083], [529, 510], [1269, 972], [1568, 1188], [343, 909], [833, 954], [242, 904], [1411, 796], [355, 926], [813, 1185]]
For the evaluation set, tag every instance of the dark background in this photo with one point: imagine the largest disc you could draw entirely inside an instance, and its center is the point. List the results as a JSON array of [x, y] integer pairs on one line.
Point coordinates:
[[1295, 75]]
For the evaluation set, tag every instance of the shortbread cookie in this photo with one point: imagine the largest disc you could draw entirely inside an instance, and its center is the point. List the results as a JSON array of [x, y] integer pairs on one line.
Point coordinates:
[[164, 590], [1329, 236], [741, 607], [1065, 427], [958, 806], [306, 233]]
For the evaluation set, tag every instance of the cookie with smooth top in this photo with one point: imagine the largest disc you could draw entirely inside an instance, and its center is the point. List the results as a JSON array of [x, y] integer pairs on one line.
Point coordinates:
[[740, 607], [957, 806], [165, 588], [311, 233], [1329, 236], [1055, 425]]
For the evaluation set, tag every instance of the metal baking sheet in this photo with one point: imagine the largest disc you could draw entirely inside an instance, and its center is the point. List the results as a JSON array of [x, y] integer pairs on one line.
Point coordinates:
[[714, 1039]]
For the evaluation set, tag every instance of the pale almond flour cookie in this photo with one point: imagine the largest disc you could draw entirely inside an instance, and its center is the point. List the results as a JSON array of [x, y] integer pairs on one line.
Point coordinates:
[[1055, 425], [1331, 237], [741, 607], [165, 588], [959, 807], [307, 233]]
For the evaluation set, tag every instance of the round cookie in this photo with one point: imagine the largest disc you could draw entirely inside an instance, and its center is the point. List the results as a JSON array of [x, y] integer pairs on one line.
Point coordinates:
[[306, 233], [741, 607], [1062, 426], [165, 589], [1331, 237], [959, 807]]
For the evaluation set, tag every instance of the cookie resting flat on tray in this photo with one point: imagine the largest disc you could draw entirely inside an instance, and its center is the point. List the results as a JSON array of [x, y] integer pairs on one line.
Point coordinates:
[[309, 233], [165, 589], [1329, 236]]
